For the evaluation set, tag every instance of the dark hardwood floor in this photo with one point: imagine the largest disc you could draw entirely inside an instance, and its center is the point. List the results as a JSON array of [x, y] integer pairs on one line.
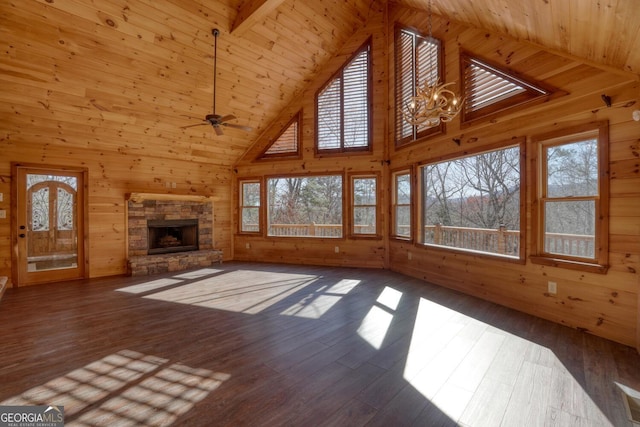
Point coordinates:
[[270, 345]]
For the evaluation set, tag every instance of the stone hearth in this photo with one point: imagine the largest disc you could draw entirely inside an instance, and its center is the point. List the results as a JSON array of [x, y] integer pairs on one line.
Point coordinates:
[[142, 207]]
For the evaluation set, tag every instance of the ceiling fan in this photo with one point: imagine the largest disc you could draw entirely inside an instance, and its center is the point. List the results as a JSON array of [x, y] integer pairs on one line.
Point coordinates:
[[217, 120]]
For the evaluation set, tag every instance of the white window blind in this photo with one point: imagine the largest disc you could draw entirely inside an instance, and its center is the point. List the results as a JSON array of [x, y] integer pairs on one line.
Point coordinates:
[[343, 106]]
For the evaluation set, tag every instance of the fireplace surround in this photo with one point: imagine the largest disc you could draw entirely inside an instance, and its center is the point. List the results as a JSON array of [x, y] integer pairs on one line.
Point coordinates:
[[184, 224]]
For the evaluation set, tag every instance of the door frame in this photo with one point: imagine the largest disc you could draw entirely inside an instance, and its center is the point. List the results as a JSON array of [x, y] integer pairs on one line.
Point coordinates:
[[83, 216]]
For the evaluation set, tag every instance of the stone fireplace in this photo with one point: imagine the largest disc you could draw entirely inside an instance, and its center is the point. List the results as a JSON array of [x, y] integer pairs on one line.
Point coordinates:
[[169, 233]]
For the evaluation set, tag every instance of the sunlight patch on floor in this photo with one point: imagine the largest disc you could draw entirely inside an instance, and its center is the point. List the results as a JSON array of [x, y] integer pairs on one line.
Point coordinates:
[[390, 298], [241, 291], [151, 285], [460, 363], [316, 303], [375, 325], [128, 387], [196, 274]]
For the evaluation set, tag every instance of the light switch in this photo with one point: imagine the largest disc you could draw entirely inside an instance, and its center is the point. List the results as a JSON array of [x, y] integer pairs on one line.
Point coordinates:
[[1, 196], [3, 214]]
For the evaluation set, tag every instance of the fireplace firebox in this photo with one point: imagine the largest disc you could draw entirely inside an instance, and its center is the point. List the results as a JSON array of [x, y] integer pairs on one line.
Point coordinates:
[[173, 235]]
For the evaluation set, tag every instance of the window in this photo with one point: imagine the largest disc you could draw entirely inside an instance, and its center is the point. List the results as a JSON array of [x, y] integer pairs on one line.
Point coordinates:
[[250, 206], [488, 90], [473, 203], [287, 143], [401, 205], [305, 206], [572, 200], [418, 58], [364, 205], [343, 107]]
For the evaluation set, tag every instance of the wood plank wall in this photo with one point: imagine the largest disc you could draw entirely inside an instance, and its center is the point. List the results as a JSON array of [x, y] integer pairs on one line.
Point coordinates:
[[107, 85], [111, 177], [104, 86], [606, 305], [351, 252]]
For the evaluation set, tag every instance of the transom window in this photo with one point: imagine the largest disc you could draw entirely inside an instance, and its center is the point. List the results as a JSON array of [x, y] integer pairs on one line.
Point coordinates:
[[343, 107], [472, 203]]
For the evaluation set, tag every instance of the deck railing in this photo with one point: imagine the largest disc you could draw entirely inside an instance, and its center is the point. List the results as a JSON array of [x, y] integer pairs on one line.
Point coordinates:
[[498, 241], [306, 230]]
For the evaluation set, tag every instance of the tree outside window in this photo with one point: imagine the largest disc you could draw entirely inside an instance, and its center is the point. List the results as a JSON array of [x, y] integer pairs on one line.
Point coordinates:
[[250, 206], [364, 205], [473, 202], [305, 206], [343, 107], [571, 204], [401, 201]]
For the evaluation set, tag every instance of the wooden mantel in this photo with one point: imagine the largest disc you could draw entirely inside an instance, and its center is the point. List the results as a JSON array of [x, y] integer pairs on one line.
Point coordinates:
[[140, 197]]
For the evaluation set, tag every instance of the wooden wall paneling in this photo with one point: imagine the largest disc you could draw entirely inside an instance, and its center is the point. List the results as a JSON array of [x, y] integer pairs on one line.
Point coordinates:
[[356, 252], [111, 176], [580, 301], [605, 305]]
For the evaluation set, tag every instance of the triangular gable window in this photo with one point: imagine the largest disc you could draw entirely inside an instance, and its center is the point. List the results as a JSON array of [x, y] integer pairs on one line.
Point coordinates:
[[488, 90], [287, 144]]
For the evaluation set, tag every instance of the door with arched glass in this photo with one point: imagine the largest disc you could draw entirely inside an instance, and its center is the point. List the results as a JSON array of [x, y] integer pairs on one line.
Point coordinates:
[[49, 226]]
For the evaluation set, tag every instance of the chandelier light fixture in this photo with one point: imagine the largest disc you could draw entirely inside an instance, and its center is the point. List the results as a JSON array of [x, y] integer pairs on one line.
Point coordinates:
[[432, 104]]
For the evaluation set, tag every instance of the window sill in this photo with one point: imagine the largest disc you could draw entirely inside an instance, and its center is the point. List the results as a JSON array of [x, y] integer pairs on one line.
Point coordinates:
[[571, 265], [470, 252]]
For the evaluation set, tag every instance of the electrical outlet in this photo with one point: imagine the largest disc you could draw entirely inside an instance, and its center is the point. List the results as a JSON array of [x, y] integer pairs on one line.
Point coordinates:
[[410, 256], [247, 245], [3, 214], [173, 185], [552, 287], [337, 249], [1, 196]]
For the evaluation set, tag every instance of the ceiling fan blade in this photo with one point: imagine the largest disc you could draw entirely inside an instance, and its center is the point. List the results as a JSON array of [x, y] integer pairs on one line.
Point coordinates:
[[244, 128], [226, 118], [197, 124], [218, 130]]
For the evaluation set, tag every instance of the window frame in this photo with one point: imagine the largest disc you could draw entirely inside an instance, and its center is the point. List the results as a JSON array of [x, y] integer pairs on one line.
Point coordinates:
[[395, 205], [297, 120], [267, 219], [400, 74], [533, 92], [598, 264], [352, 206], [366, 46], [519, 142], [242, 207]]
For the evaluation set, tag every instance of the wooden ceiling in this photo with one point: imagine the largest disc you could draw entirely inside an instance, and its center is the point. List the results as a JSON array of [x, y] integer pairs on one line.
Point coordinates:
[[125, 75]]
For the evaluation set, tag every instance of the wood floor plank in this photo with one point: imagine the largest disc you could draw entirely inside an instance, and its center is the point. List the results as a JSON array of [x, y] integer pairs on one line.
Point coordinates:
[[267, 344]]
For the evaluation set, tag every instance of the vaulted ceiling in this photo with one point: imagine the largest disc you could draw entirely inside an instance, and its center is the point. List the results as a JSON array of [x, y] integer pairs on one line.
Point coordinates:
[[126, 75]]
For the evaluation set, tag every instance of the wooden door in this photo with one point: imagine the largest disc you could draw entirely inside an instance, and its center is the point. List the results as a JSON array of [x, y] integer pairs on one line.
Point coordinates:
[[49, 231]]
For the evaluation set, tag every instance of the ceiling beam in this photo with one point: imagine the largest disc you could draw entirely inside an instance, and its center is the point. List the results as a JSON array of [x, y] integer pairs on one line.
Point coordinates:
[[252, 12]]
